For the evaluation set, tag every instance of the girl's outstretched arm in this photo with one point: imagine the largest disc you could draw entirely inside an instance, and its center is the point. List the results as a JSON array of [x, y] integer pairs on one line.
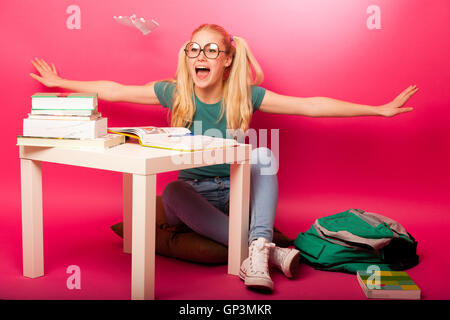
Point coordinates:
[[106, 90], [328, 107]]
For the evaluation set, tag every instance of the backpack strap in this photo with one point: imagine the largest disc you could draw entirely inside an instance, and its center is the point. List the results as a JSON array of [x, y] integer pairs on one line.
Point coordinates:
[[342, 241], [394, 225], [352, 240], [319, 228]]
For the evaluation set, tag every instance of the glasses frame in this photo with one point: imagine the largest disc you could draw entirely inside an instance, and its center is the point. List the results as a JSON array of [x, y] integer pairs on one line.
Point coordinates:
[[202, 49]]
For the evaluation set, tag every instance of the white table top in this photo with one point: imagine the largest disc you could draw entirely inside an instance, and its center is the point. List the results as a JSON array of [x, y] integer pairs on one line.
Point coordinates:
[[133, 158]]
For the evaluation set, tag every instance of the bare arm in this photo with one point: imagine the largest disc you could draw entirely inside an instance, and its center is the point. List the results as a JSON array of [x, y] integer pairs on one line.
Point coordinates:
[[106, 90], [328, 107]]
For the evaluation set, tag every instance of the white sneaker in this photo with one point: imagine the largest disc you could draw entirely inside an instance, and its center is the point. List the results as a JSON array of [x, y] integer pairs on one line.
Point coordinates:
[[285, 259], [255, 269]]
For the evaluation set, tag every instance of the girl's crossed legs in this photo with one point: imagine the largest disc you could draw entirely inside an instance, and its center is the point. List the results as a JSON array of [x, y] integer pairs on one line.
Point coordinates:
[[203, 204]]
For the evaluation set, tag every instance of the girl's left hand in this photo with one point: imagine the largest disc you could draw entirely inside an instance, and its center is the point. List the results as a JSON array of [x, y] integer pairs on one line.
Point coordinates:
[[394, 107]]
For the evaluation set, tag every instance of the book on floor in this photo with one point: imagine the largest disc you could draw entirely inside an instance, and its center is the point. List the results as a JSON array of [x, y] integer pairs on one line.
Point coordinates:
[[65, 128], [71, 100], [172, 138], [388, 285], [102, 143]]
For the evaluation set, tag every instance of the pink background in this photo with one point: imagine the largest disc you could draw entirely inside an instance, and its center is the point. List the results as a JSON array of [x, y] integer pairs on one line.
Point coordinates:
[[394, 166]]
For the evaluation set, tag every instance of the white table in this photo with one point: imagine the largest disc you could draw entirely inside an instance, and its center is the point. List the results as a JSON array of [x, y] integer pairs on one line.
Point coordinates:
[[139, 166]]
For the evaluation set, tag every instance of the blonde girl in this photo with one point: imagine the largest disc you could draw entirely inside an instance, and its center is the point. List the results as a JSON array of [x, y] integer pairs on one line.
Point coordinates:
[[217, 86]]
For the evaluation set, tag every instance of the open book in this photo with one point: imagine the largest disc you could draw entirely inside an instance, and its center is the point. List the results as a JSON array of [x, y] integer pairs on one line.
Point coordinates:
[[173, 138]]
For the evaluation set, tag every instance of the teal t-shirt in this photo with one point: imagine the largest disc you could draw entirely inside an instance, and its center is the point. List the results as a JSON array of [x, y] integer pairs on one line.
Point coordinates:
[[205, 122]]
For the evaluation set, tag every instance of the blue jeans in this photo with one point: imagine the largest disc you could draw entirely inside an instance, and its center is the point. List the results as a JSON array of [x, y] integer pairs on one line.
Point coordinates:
[[203, 204]]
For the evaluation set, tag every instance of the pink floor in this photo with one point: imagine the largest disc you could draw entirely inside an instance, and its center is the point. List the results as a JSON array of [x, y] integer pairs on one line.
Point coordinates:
[[105, 269]]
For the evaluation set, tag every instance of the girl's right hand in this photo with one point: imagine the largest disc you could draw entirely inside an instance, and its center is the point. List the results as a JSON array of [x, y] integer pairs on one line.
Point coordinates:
[[48, 75]]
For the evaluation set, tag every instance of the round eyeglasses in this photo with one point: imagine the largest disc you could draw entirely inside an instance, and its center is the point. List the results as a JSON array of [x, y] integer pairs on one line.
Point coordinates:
[[211, 50]]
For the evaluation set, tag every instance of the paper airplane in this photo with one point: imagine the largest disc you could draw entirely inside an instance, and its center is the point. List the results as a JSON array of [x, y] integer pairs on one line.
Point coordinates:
[[146, 26]]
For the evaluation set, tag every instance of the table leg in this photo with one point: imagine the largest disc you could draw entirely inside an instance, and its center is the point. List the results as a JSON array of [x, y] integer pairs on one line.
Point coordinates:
[[127, 191], [239, 215], [143, 237], [32, 233]]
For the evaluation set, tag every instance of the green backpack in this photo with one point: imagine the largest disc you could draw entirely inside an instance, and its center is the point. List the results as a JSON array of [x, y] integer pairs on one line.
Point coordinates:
[[353, 240]]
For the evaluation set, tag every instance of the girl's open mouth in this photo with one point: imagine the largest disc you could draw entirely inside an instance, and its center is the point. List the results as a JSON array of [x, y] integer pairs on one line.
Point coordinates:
[[202, 72]]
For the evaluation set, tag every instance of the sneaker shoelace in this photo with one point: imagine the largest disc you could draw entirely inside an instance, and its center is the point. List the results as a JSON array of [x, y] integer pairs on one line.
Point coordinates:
[[260, 255]]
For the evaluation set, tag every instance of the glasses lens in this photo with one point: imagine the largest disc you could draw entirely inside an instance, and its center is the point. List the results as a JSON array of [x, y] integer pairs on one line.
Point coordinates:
[[192, 49], [211, 50]]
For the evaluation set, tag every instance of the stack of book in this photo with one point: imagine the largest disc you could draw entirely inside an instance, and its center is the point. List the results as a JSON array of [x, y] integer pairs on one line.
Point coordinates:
[[66, 120]]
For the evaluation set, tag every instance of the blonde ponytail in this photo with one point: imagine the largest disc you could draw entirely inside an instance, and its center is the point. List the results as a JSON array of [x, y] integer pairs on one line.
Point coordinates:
[[183, 107], [237, 87]]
